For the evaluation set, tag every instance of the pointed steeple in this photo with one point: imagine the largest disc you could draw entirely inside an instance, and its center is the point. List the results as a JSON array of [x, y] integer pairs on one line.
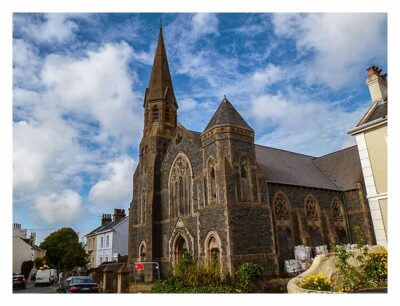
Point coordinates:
[[160, 85], [227, 114]]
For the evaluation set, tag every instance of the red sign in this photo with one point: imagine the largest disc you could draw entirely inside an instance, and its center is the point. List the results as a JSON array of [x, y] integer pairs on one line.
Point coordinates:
[[139, 266]]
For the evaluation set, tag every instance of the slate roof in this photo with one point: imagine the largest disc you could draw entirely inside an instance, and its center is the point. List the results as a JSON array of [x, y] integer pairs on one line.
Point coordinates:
[[195, 134], [380, 111], [28, 241], [227, 114], [106, 226], [343, 167], [376, 111], [290, 168]]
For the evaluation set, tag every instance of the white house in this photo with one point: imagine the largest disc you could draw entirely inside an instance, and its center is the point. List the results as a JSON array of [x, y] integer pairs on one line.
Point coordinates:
[[24, 249], [110, 239]]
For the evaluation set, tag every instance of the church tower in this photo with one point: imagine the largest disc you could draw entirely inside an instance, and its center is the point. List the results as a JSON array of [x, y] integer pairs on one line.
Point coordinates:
[[160, 120]]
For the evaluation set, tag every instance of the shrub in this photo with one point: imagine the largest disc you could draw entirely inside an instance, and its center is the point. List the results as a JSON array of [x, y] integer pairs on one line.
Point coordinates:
[[247, 273], [350, 278], [26, 268], [192, 277], [316, 282], [376, 269], [170, 285]]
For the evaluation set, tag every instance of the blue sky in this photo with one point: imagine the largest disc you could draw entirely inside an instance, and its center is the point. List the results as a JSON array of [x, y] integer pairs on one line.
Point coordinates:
[[79, 82]]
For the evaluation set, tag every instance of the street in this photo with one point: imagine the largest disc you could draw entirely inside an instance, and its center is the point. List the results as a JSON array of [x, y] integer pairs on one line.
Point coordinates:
[[30, 288]]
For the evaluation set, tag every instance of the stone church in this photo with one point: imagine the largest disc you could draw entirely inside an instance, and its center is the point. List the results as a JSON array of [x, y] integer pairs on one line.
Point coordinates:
[[217, 194]]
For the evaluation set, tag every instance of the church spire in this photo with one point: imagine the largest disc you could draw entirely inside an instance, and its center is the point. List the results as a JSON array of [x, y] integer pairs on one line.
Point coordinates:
[[160, 107], [160, 85]]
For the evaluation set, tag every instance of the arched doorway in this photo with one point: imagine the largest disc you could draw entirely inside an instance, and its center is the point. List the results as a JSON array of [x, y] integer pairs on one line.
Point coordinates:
[[181, 247], [142, 252], [213, 248]]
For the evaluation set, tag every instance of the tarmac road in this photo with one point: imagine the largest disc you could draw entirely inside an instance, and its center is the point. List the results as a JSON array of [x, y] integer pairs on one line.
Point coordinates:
[[30, 288]]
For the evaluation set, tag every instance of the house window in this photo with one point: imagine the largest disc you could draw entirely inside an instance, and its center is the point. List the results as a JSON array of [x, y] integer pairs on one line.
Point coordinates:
[[106, 258], [107, 241], [101, 259], [101, 242]]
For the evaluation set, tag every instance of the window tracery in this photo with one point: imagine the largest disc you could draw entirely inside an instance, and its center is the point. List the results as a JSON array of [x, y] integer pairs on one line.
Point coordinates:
[[281, 207], [337, 210], [311, 208], [180, 187]]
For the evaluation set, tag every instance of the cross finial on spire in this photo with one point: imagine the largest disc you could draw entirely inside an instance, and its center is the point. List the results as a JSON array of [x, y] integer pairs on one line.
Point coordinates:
[[160, 24]]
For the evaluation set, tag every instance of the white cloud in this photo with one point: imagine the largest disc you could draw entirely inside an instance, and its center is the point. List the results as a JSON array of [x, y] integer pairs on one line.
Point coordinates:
[[267, 76], [46, 156], [343, 44], [115, 187], [26, 64], [204, 23], [99, 86], [187, 104], [295, 123], [63, 207], [84, 115], [56, 28]]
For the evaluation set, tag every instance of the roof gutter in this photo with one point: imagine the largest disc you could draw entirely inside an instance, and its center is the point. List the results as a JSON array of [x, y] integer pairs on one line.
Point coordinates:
[[365, 126]]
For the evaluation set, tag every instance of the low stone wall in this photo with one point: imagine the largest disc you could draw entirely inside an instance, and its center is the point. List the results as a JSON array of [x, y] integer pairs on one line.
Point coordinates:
[[112, 277]]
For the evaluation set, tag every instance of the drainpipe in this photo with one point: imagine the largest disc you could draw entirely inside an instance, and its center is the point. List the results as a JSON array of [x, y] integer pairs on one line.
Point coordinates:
[[347, 217]]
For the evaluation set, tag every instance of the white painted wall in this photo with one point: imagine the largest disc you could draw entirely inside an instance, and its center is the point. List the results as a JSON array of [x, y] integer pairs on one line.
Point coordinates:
[[120, 237], [104, 251], [21, 252], [372, 194]]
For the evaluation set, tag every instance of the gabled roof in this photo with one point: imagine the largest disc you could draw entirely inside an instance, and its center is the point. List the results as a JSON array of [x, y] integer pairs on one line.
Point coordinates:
[[339, 170], [343, 167], [107, 226], [290, 168], [379, 111], [28, 241], [227, 114]]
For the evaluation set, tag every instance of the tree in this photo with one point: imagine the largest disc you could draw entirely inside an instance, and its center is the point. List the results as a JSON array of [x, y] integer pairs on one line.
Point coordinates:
[[26, 268], [39, 261], [63, 249]]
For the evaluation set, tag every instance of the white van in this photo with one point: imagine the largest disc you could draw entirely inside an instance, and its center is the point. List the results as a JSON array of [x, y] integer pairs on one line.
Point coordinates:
[[43, 278]]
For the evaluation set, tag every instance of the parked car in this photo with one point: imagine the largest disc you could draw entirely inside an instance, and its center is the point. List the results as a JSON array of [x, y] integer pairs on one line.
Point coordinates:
[[42, 278], [78, 284], [19, 281]]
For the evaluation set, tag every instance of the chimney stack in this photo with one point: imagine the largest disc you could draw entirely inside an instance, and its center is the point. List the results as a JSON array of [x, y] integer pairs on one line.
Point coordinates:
[[119, 214], [106, 219], [377, 84], [33, 237]]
